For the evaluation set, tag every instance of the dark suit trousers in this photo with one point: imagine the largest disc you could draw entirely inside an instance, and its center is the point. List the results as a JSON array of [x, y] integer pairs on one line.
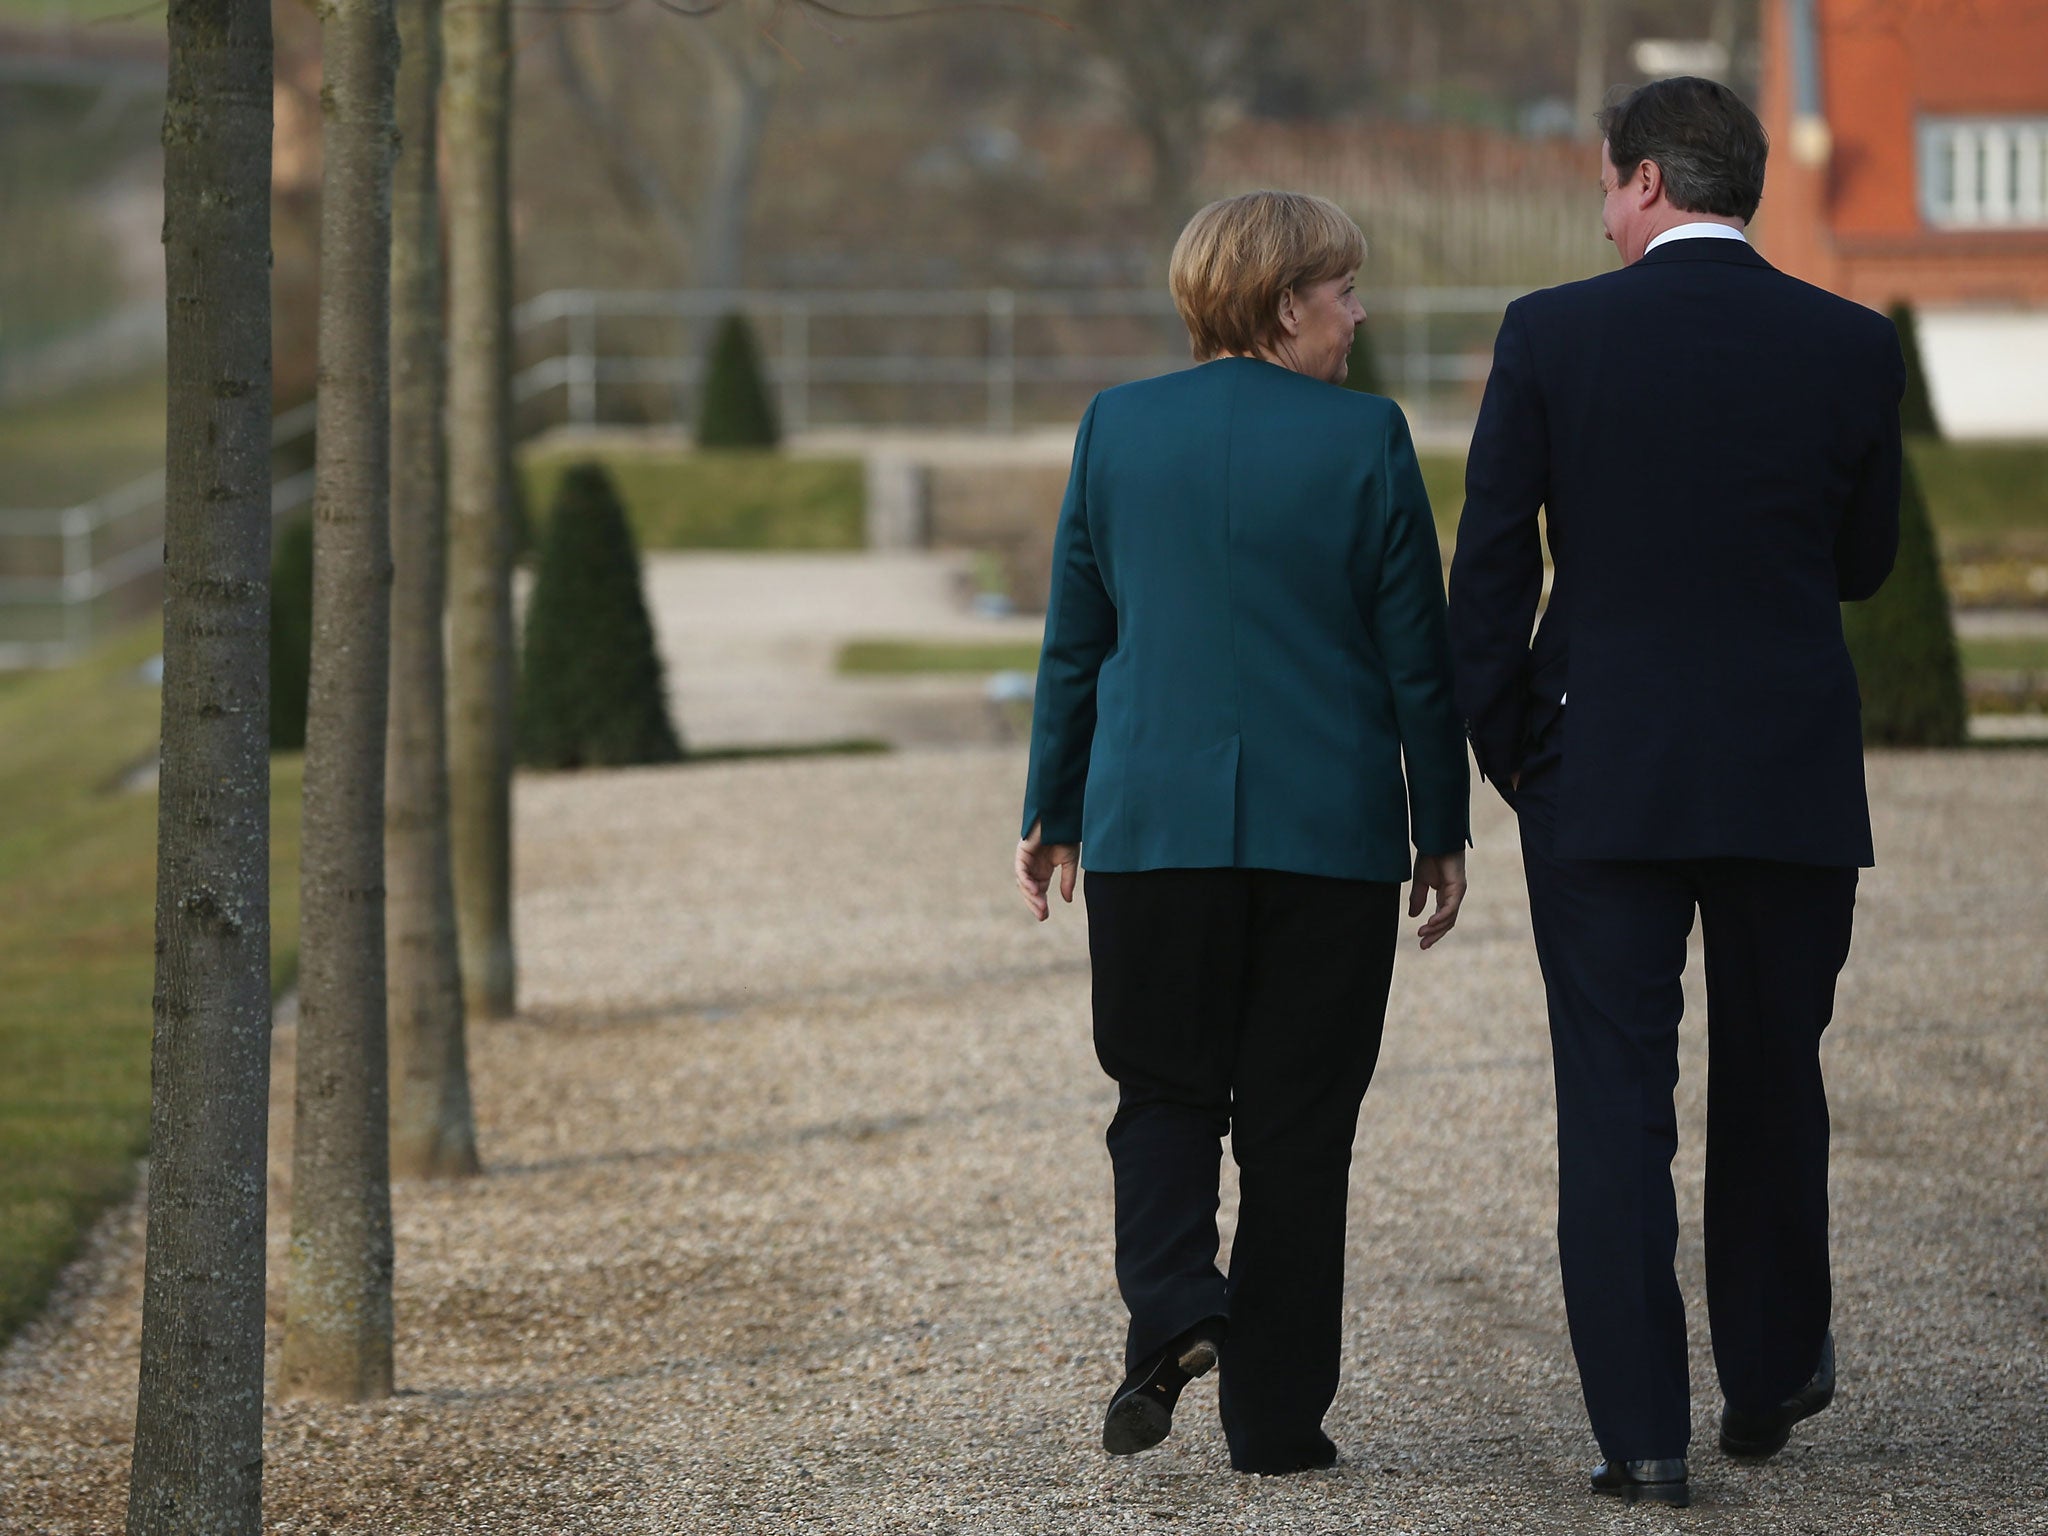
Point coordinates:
[[1249, 1002], [1611, 937]]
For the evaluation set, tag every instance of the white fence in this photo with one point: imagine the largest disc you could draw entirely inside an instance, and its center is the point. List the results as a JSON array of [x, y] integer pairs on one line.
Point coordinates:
[[983, 359]]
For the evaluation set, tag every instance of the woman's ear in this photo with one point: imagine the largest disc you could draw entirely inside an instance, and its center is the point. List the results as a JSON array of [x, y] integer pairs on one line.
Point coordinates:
[[1288, 316]]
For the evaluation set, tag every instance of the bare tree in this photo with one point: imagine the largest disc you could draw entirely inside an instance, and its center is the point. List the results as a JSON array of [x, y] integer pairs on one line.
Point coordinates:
[[476, 101], [743, 73], [1177, 62], [739, 63], [740, 53], [198, 1459], [481, 662], [433, 1132], [337, 1337], [641, 177], [1590, 81]]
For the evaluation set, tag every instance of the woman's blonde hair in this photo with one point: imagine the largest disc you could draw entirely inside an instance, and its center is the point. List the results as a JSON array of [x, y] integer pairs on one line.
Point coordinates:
[[1238, 255]]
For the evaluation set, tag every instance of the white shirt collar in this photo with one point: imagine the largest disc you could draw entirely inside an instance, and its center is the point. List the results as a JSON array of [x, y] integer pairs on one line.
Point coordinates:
[[1696, 232]]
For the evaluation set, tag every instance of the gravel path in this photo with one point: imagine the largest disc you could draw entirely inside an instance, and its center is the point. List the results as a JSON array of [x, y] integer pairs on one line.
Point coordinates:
[[796, 1216]]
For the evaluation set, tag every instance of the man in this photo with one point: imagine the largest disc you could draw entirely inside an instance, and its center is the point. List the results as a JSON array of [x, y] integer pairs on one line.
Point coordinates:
[[1715, 447]]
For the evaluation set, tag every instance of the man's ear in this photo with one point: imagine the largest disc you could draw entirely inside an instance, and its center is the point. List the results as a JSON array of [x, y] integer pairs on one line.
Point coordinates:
[[1288, 315], [1649, 183]]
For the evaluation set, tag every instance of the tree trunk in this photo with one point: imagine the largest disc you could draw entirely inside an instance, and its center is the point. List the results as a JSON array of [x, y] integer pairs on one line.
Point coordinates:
[[198, 1459], [738, 102], [1590, 92], [337, 1340], [1176, 61], [740, 99], [481, 664], [1177, 141], [638, 175], [432, 1131]]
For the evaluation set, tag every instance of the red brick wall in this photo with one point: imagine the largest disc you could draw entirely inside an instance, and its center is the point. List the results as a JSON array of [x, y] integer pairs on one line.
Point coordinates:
[[1854, 224]]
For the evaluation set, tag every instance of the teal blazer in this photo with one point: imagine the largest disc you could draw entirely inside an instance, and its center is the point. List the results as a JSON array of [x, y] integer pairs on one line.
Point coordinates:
[[1245, 636]]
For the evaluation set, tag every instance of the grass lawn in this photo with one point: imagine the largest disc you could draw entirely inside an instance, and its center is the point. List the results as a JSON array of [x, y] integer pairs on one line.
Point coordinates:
[[1443, 475], [98, 13], [2020, 654], [885, 657], [1986, 494], [77, 935], [58, 452], [1986, 499], [722, 500]]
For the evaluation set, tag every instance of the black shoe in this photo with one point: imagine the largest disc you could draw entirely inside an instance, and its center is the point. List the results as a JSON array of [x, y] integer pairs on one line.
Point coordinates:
[[1141, 1413], [1648, 1482], [1754, 1436], [1314, 1459]]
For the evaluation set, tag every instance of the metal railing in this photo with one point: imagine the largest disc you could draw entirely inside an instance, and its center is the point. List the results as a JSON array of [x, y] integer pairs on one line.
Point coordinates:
[[997, 369], [65, 572], [53, 602]]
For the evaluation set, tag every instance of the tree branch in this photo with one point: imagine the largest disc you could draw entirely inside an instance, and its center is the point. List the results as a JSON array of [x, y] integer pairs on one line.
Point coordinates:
[[639, 181]]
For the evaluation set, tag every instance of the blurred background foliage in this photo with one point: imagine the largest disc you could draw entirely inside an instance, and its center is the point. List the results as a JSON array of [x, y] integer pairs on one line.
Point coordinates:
[[948, 150]]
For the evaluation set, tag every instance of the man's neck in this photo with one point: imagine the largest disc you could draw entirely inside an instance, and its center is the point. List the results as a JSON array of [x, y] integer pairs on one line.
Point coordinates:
[[1683, 224]]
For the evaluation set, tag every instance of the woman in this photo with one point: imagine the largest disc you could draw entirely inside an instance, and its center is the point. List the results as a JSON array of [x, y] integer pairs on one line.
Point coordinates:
[[1245, 637]]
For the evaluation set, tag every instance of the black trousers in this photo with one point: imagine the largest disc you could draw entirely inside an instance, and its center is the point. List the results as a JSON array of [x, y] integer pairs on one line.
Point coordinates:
[[1611, 937], [1249, 1002]]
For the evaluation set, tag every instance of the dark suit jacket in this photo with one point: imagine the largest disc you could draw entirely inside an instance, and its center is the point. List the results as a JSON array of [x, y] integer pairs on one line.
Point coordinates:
[[1716, 449], [1245, 635]]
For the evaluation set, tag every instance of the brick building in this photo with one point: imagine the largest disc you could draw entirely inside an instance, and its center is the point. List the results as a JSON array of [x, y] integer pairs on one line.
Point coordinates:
[[1910, 161]]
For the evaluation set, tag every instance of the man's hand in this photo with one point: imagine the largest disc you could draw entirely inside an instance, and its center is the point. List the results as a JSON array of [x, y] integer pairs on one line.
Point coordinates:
[[1443, 873], [1035, 864]]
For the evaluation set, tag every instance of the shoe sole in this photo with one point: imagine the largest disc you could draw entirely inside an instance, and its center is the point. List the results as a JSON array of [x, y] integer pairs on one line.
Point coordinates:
[[1673, 1495], [1200, 1358], [1755, 1450], [1137, 1422], [1764, 1450], [1769, 1446], [1670, 1495]]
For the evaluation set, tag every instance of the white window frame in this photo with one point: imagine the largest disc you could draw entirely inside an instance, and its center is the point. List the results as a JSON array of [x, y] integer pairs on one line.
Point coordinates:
[[1984, 172]]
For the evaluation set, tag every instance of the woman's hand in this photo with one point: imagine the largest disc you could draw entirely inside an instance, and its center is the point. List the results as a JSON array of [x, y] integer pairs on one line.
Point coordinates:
[[1035, 864], [1443, 873]]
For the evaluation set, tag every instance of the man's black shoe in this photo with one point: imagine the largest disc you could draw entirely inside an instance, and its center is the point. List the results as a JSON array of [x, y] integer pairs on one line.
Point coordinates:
[[1650, 1482], [1754, 1436], [1141, 1413], [1319, 1456]]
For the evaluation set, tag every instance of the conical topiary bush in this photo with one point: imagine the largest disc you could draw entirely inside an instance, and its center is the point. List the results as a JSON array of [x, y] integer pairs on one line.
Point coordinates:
[[521, 521], [1363, 370], [1904, 644], [291, 634], [1916, 408], [737, 412], [590, 687]]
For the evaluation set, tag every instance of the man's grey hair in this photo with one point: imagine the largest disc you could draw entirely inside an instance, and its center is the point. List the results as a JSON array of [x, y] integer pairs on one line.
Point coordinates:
[[1703, 137]]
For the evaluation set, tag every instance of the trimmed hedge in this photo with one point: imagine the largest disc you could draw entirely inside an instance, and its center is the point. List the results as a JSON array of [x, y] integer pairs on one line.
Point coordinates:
[[1989, 495], [730, 499], [1364, 367], [519, 518], [1904, 644], [1916, 409], [291, 634], [737, 411], [590, 688]]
